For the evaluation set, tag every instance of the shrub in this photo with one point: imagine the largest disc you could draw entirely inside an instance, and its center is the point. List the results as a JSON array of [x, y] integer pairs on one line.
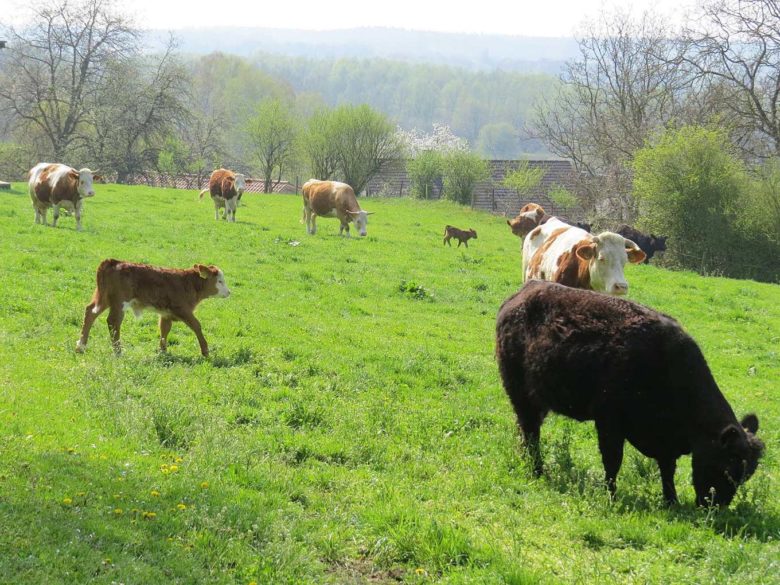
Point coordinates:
[[425, 172], [462, 171]]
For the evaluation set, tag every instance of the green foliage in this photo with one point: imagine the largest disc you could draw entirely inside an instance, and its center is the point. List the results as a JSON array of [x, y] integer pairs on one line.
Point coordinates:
[[562, 197], [319, 144], [272, 133], [173, 157], [341, 431], [425, 172], [692, 188], [524, 179], [762, 211], [462, 171], [15, 161]]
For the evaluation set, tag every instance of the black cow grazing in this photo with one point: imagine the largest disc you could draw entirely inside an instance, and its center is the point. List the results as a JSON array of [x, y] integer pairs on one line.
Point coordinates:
[[648, 244], [633, 371]]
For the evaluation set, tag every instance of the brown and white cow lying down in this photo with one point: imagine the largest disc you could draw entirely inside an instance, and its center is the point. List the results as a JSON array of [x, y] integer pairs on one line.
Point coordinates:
[[332, 199], [57, 185], [226, 188], [633, 371], [172, 293], [559, 252]]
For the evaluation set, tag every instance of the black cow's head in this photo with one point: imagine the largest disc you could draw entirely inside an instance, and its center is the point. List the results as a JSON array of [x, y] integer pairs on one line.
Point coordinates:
[[728, 461]]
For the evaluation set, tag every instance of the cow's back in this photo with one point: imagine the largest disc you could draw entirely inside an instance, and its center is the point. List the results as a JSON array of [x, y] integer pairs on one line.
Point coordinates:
[[50, 182], [545, 243], [217, 180], [579, 352]]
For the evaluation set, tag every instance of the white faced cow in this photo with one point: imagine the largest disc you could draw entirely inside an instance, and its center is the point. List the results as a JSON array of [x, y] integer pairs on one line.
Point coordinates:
[[558, 252], [226, 188], [57, 185], [332, 199]]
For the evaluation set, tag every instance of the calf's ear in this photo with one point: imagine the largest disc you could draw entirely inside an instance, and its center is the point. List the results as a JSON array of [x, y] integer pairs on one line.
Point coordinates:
[[729, 436], [750, 423], [203, 271]]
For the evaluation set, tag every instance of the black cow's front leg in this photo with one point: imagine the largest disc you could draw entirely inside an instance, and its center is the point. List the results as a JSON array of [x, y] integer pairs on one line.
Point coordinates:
[[667, 468], [611, 447]]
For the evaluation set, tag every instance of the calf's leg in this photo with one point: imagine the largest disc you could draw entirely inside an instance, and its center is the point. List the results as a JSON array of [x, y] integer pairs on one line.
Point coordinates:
[[115, 317], [165, 329], [190, 321], [89, 318]]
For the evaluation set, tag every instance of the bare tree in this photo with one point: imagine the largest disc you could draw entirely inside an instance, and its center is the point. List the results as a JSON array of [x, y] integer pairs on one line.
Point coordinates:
[[736, 50], [56, 63], [611, 99]]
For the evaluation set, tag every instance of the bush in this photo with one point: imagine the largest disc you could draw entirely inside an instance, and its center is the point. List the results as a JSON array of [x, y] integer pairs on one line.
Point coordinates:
[[691, 187], [425, 172], [462, 171]]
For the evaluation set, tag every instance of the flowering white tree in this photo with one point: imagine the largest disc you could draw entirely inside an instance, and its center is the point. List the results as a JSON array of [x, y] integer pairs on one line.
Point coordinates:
[[441, 139]]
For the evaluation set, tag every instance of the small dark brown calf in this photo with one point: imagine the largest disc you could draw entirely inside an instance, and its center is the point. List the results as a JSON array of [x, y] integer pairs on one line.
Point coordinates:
[[172, 293], [463, 236]]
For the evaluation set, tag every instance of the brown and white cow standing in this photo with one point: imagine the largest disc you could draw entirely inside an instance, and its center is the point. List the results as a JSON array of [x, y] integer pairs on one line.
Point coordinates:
[[332, 199], [528, 218], [226, 188], [559, 252], [57, 185], [172, 293]]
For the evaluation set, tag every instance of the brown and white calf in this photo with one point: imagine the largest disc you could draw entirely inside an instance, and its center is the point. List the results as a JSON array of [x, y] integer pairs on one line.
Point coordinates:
[[226, 188], [332, 199], [172, 293], [568, 255], [463, 236], [57, 185]]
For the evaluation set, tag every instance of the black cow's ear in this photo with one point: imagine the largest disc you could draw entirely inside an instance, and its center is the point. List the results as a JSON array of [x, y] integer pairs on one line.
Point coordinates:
[[729, 436], [750, 423]]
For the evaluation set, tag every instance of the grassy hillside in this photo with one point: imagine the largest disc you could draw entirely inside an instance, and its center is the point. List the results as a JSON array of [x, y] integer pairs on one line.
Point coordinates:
[[342, 431]]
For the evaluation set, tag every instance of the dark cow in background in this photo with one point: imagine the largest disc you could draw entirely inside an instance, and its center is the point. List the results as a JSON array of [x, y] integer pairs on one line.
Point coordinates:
[[332, 199], [57, 185], [463, 236], [584, 225], [226, 188], [648, 244], [633, 371], [172, 293]]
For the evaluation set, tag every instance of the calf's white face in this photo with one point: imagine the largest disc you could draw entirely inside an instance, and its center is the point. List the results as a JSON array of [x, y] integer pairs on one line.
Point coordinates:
[[607, 256], [222, 289]]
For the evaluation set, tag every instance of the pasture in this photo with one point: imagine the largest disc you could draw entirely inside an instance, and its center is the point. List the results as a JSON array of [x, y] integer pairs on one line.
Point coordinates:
[[350, 425]]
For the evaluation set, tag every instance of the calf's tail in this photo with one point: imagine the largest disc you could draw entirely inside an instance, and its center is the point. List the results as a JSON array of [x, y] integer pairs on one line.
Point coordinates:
[[100, 298]]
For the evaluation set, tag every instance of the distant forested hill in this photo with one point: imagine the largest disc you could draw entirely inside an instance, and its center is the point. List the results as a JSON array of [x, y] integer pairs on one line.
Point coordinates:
[[510, 53]]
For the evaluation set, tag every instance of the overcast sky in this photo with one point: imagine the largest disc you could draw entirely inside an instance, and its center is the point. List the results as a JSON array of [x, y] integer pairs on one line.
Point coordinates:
[[514, 17]]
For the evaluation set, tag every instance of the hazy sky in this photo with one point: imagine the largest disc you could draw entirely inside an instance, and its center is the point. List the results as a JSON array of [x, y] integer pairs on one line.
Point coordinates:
[[515, 17]]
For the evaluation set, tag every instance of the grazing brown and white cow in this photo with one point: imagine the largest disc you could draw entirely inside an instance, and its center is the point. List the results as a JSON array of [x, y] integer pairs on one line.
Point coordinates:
[[529, 217], [226, 188], [332, 199], [57, 185], [172, 293], [559, 252]]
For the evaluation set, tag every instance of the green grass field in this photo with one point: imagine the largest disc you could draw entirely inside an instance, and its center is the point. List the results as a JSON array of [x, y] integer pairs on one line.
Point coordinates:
[[343, 430]]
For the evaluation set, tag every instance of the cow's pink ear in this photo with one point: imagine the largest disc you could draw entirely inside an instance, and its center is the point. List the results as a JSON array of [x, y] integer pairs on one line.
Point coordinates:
[[586, 252], [74, 175], [539, 213], [203, 271]]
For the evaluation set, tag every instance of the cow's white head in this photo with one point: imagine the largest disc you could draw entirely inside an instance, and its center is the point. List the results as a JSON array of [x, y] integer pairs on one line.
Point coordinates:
[[360, 218], [241, 183], [607, 255], [84, 177]]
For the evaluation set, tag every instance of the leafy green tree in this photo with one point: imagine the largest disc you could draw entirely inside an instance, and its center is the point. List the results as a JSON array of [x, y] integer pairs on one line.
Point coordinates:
[[272, 134], [425, 172], [524, 179], [562, 197], [365, 141], [319, 146], [691, 187], [462, 171]]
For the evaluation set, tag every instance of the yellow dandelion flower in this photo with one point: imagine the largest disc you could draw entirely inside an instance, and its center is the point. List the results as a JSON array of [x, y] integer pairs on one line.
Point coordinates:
[[181, 506], [174, 468], [118, 511], [204, 485], [81, 494], [163, 467], [165, 471], [179, 460], [420, 571], [67, 501], [155, 494], [253, 583], [149, 515]]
